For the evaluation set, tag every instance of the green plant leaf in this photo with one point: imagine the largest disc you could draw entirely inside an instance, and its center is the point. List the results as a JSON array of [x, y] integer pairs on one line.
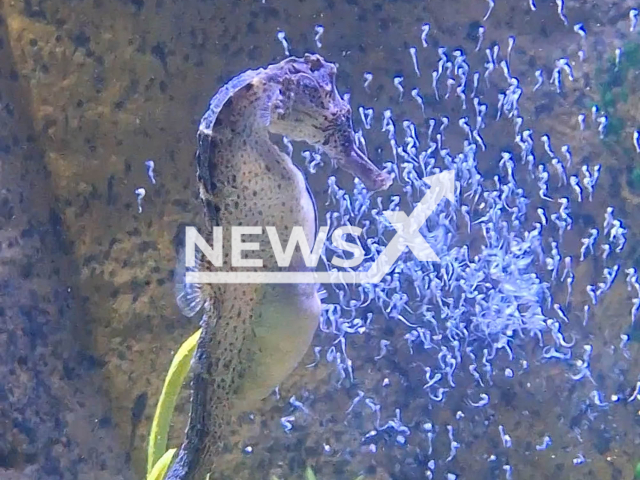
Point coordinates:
[[159, 470], [164, 411], [309, 475]]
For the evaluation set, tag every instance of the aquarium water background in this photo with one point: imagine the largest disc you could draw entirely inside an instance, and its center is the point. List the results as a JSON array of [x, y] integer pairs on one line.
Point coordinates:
[[516, 357]]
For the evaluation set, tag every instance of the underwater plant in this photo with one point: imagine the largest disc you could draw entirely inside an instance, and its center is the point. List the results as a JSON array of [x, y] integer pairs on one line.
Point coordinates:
[[158, 457], [616, 81], [160, 468]]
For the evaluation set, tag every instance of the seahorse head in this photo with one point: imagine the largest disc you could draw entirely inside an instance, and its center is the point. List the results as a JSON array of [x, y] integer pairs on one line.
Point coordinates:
[[309, 108]]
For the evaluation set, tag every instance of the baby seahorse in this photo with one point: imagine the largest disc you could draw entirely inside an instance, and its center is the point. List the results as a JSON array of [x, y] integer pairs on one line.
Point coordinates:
[[253, 335]]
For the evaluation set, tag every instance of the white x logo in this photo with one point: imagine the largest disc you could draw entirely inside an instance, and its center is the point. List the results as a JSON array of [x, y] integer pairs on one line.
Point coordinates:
[[408, 227]]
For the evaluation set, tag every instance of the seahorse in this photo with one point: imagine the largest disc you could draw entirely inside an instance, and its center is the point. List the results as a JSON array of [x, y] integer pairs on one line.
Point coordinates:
[[253, 335]]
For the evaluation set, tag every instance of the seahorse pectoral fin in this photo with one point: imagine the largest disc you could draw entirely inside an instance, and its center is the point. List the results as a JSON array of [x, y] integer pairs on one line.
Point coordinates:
[[189, 298], [188, 295]]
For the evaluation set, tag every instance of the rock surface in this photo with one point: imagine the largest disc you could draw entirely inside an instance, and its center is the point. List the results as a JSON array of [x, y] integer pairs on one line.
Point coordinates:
[[55, 416]]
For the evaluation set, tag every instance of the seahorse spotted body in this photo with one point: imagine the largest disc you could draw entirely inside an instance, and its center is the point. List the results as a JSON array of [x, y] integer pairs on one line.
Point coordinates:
[[253, 335]]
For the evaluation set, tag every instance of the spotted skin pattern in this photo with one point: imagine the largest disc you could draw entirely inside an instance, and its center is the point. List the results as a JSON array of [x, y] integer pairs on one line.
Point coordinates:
[[253, 336]]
